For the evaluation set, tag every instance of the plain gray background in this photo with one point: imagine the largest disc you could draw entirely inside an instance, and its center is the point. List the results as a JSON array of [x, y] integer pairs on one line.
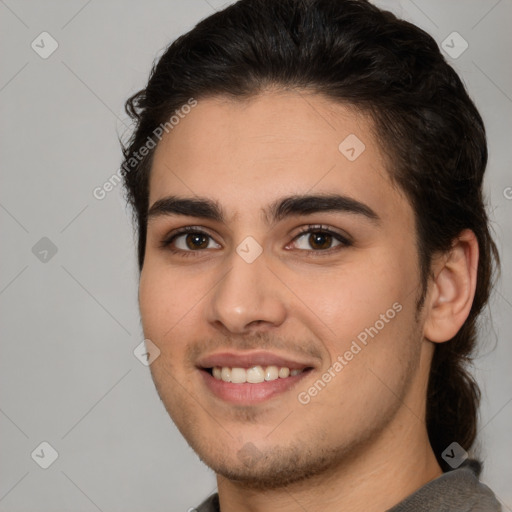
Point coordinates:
[[70, 320]]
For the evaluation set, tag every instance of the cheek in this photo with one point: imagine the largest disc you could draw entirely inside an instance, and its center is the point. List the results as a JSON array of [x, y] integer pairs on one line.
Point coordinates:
[[167, 317], [372, 364], [369, 312], [351, 298], [162, 303]]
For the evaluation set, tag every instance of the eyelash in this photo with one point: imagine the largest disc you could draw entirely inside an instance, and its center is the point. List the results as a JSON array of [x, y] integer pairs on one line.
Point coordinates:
[[344, 242]]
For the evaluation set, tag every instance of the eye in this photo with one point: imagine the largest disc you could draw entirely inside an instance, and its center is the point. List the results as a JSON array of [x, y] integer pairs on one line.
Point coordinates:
[[320, 239], [188, 239]]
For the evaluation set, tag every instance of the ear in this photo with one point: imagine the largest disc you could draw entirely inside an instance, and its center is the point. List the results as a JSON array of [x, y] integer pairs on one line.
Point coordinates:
[[453, 289]]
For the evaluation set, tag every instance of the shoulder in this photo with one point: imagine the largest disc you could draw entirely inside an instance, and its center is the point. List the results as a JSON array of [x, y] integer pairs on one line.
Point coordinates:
[[459, 490]]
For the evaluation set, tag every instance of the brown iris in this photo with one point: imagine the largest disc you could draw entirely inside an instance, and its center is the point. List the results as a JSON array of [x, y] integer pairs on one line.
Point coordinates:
[[193, 241], [319, 240]]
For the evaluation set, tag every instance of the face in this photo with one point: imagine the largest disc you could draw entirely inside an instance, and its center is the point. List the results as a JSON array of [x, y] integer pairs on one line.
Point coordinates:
[[299, 254]]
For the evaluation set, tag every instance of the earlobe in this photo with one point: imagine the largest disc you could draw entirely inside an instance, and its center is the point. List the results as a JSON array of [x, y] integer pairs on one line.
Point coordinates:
[[452, 289]]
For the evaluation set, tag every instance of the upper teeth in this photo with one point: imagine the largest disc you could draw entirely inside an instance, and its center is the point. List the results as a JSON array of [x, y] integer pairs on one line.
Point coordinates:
[[253, 375]]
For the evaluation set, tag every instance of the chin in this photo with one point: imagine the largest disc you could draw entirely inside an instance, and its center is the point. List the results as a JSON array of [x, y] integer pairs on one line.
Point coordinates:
[[273, 468]]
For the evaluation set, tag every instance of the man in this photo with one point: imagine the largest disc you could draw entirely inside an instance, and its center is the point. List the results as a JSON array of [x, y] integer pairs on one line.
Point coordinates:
[[314, 253]]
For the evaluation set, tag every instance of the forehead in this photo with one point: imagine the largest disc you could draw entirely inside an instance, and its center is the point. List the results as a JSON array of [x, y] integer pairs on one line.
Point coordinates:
[[246, 153]]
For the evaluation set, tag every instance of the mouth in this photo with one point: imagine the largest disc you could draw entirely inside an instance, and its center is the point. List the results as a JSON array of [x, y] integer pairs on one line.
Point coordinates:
[[254, 374], [248, 379]]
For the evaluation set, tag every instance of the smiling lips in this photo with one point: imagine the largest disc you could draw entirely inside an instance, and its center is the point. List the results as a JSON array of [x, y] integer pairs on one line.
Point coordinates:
[[249, 378]]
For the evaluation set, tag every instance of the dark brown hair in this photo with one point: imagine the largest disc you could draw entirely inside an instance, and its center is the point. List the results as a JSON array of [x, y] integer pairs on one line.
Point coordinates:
[[355, 53]]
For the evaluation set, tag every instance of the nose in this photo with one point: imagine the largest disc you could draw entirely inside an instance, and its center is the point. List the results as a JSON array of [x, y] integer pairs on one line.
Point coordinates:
[[247, 298]]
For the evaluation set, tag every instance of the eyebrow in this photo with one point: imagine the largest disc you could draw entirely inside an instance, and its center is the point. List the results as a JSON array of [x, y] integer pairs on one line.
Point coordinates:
[[294, 205]]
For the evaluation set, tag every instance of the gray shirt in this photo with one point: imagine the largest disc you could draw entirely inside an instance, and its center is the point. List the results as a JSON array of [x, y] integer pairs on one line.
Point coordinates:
[[458, 490]]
